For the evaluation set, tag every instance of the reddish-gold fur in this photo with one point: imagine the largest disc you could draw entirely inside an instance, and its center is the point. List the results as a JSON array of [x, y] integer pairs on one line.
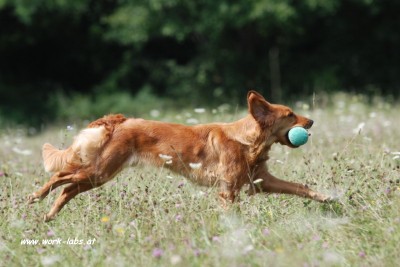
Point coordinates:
[[228, 155]]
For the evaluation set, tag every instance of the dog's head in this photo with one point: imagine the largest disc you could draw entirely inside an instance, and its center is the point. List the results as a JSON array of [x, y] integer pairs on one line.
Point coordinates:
[[276, 119]]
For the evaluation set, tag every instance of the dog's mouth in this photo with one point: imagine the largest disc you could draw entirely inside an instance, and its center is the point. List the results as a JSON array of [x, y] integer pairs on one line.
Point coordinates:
[[287, 141], [286, 138]]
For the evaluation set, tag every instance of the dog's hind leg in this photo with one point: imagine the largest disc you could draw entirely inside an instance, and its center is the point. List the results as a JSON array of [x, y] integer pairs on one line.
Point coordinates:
[[55, 181], [66, 195]]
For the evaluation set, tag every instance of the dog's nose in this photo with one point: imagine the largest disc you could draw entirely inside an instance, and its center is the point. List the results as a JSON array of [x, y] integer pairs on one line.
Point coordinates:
[[310, 123]]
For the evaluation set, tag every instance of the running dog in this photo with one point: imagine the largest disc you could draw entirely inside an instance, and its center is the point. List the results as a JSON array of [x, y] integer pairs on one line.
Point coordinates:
[[226, 155]]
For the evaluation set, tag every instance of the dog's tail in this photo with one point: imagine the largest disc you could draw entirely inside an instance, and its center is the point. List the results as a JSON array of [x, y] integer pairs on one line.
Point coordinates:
[[85, 148], [55, 159], [82, 152]]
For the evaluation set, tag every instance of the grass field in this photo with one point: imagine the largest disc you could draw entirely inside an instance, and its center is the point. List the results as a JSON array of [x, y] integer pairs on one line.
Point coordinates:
[[151, 217]]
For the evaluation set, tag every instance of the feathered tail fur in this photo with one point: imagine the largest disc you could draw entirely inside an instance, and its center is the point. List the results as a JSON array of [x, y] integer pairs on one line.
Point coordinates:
[[85, 148], [54, 159]]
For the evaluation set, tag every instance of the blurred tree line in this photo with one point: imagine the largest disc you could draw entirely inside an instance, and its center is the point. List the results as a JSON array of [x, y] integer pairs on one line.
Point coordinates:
[[199, 50]]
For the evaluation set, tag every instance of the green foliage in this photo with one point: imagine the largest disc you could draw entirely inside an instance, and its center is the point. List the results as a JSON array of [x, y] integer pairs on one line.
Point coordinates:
[[25, 10], [128, 25], [83, 107], [198, 51]]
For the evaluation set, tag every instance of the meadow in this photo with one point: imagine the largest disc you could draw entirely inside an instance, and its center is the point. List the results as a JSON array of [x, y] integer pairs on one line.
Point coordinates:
[[152, 217]]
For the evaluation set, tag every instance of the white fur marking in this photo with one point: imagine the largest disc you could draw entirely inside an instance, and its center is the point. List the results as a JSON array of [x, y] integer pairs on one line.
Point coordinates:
[[88, 142], [132, 160]]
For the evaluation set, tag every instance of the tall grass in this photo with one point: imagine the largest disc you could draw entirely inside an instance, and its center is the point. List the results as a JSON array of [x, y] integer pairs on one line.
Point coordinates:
[[152, 217]]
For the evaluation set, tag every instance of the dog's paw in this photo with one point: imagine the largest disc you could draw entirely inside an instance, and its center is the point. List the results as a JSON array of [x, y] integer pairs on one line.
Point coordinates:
[[330, 199], [48, 218], [32, 198], [326, 199]]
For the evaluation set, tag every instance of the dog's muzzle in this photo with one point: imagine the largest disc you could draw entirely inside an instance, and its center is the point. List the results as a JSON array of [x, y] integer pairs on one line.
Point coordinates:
[[309, 124]]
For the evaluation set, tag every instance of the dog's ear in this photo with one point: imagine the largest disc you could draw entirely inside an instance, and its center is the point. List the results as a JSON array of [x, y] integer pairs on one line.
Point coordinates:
[[259, 108]]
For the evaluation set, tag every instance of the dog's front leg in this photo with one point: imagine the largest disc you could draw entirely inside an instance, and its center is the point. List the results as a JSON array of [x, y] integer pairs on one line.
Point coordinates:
[[227, 194], [271, 184]]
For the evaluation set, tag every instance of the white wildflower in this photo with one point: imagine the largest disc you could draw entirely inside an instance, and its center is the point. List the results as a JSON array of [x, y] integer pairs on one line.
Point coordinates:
[[165, 157], [155, 113], [248, 248], [175, 259], [70, 128], [25, 152], [192, 121], [199, 110], [396, 155], [306, 106], [201, 193], [372, 115], [195, 165], [359, 128], [259, 180], [224, 108], [50, 260]]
